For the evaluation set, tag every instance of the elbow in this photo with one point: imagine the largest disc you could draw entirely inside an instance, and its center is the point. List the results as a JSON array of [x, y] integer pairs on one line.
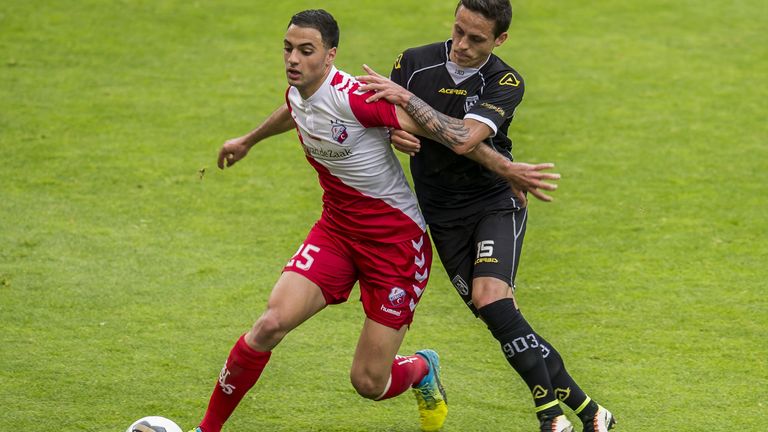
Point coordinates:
[[463, 148]]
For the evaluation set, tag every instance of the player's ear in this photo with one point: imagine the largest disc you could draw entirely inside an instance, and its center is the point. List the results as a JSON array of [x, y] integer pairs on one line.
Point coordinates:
[[501, 39], [330, 56]]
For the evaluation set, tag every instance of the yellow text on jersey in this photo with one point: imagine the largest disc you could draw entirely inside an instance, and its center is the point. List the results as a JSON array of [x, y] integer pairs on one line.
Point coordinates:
[[453, 91]]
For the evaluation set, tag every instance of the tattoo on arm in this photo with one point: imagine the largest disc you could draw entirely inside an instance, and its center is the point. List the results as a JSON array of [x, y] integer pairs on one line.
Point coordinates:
[[449, 131]]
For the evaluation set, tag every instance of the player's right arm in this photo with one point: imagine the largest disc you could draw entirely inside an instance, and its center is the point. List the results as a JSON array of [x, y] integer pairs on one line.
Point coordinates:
[[522, 177], [463, 136], [237, 148]]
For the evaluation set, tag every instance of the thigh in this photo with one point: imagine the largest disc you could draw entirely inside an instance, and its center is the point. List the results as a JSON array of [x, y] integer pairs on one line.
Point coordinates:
[[393, 277], [486, 246], [455, 246], [294, 299], [498, 243], [325, 260]]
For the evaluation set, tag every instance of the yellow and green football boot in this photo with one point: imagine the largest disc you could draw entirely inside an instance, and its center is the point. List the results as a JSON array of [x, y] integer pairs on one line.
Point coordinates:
[[430, 395]]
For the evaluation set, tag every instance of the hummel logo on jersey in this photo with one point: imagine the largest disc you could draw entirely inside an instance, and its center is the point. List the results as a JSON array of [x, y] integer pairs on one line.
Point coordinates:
[[345, 85], [417, 244], [339, 131], [390, 311], [421, 277], [226, 388]]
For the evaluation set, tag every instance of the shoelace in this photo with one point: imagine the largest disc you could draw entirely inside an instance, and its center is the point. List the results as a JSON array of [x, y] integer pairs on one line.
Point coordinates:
[[428, 395]]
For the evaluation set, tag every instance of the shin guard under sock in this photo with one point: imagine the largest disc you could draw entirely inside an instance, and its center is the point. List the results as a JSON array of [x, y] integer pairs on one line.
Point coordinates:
[[407, 371], [521, 348], [240, 373]]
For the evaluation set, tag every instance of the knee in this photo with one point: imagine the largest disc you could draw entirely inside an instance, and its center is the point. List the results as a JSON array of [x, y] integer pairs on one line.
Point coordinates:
[[267, 332], [486, 290], [368, 385]]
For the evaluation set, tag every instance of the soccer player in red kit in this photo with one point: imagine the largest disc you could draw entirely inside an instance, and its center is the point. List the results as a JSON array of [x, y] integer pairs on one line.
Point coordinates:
[[370, 231]]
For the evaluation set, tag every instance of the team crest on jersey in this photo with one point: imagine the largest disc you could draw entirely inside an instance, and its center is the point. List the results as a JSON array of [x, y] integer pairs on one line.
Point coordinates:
[[470, 101], [339, 132], [460, 285], [396, 296]]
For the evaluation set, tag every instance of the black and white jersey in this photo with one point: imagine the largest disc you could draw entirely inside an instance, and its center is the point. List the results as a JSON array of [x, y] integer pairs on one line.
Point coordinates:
[[450, 187]]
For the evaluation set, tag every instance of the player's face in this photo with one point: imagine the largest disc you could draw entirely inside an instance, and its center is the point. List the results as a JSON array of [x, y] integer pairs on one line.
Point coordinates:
[[307, 60], [473, 39]]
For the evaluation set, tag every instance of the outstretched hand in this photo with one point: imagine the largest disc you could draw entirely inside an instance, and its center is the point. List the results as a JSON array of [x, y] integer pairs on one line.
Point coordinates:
[[383, 87], [524, 177]]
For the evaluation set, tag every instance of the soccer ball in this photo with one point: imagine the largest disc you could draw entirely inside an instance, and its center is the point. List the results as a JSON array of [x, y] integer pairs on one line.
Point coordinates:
[[153, 424]]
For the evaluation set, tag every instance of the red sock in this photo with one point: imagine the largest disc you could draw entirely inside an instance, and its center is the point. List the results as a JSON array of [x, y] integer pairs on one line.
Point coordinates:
[[407, 371], [240, 373]]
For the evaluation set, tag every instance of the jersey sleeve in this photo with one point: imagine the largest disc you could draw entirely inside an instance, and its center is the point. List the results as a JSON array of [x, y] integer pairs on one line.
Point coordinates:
[[374, 114], [499, 101]]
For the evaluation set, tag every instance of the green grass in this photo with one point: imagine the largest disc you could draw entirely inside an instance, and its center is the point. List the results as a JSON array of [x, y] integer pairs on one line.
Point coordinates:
[[125, 278]]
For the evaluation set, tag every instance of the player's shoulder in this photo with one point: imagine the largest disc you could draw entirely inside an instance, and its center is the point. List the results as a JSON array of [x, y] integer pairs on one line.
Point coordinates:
[[335, 93], [500, 73], [422, 56], [342, 82], [341, 86]]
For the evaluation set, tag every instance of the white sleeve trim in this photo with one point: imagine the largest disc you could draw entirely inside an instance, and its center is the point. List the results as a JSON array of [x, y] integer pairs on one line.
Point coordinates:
[[484, 120]]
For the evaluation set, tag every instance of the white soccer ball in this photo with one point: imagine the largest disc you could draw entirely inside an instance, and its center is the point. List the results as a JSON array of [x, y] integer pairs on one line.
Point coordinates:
[[153, 424]]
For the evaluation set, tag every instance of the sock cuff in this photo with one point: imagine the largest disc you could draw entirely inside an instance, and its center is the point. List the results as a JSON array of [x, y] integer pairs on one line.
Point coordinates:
[[582, 406], [499, 305], [386, 388], [248, 358], [502, 317], [546, 406]]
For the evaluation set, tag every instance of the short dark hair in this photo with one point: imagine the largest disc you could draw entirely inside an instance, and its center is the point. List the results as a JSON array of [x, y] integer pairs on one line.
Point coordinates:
[[321, 21], [500, 11]]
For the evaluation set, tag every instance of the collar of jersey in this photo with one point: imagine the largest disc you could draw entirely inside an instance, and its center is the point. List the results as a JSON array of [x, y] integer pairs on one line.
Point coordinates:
[[453, 68], [324, 86]]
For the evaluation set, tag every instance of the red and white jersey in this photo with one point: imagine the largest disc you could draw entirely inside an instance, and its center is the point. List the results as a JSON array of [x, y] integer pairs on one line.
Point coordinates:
[[365, 192]]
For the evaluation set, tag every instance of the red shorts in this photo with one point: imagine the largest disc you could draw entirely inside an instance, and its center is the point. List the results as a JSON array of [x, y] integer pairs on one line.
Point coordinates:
[[392, 275]]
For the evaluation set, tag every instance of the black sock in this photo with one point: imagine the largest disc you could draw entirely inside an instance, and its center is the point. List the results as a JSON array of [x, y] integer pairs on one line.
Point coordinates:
[[566, 389], [521, 348]]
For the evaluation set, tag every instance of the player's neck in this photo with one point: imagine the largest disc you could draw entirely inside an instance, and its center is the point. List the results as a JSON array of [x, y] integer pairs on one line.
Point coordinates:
[[310, 89], [476, 65]]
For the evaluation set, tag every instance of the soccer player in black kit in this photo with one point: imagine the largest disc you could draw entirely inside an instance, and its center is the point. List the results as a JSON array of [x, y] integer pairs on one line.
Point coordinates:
[[477, 221]]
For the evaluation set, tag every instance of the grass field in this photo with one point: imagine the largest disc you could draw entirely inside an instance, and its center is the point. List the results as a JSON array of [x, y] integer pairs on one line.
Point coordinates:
[[125, 277]]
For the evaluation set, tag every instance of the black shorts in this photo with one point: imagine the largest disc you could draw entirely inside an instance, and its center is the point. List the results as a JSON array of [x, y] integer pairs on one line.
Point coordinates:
[[486, 245]]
